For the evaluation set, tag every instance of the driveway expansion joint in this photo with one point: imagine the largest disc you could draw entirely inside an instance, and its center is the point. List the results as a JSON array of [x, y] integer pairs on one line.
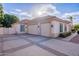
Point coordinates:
[[47, 48]]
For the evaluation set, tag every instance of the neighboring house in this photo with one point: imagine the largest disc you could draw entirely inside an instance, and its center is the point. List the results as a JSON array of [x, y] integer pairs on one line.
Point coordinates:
[[16, 28], [49, 26], [21, 27]]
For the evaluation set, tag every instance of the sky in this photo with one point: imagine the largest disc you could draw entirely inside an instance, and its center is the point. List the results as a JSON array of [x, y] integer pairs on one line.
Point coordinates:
[[31, 10]]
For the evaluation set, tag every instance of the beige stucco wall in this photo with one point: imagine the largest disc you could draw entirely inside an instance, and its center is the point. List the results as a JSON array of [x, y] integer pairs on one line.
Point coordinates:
[[7, 30], [55, 30], [13, 30], [1, 30]]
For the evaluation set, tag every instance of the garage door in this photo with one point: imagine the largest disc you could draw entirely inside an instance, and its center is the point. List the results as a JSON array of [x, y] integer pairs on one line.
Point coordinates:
[[45, 29], [33, 29]]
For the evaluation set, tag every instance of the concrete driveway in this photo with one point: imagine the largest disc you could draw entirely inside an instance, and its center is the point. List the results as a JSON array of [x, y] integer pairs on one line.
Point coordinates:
[[32, 45]]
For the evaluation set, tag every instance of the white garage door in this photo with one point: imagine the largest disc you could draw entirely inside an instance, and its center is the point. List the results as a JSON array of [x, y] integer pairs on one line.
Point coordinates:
[[33, 29], [45, 29]]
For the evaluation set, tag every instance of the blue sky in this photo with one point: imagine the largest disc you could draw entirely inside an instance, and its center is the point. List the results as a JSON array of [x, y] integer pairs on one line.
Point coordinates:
[[67, 7], [29, 10]]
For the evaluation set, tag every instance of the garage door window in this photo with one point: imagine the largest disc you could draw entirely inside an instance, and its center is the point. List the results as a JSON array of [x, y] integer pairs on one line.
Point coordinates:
[[22, 28]]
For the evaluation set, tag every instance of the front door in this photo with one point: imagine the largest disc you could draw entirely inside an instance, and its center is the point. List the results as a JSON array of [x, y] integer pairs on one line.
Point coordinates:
[[22, 28]]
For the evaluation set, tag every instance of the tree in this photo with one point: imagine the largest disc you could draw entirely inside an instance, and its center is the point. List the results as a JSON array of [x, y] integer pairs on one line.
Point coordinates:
[[9, 20], [1, 14], [71, 18]]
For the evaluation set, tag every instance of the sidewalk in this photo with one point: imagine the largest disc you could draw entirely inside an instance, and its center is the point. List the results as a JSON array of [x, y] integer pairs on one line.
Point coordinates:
[[67, 48], [69, 37]]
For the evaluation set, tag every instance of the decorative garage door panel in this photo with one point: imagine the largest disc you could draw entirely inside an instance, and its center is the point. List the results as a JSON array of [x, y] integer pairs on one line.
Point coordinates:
[[33, 29], [45, 29]]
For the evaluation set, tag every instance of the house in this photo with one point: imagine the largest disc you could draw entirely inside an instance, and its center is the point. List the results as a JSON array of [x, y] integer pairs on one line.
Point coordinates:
[[17, 28], [21, 27], [50, 26]]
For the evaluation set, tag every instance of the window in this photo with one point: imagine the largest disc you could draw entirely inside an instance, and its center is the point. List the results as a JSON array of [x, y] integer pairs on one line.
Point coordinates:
[[22, 28], [61, 27]]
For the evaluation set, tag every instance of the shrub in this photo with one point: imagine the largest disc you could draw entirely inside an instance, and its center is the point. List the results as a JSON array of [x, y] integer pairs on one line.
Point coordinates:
[[78, 31], [65, 34], [76, 26], [73, 30]]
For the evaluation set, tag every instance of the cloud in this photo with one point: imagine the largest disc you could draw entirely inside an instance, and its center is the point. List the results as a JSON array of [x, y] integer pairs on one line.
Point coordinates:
[[21, 14], [6, 12], [13, 12], [17, 10], [65, 15], [72, 14], [25, 15], [37, 11], [44, 9]]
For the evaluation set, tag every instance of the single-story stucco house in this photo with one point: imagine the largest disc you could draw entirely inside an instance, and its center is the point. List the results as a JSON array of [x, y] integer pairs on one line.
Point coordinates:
[[50, 26]]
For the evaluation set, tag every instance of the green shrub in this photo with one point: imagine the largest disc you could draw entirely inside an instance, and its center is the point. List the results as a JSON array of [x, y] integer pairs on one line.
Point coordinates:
[[78, 32], [65, 34], [73, 30]]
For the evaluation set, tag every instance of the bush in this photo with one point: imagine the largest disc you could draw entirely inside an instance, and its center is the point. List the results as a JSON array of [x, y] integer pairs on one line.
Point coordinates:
[[76, 26], [65, 34], [78, 31], [73, 30]]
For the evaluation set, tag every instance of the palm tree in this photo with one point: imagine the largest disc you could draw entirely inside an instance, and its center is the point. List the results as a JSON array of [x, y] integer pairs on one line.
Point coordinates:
[[71, 19]]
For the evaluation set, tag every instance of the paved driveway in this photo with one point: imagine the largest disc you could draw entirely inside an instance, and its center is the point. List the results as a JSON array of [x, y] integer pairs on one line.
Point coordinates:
[[75, 39], [31, 45]]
